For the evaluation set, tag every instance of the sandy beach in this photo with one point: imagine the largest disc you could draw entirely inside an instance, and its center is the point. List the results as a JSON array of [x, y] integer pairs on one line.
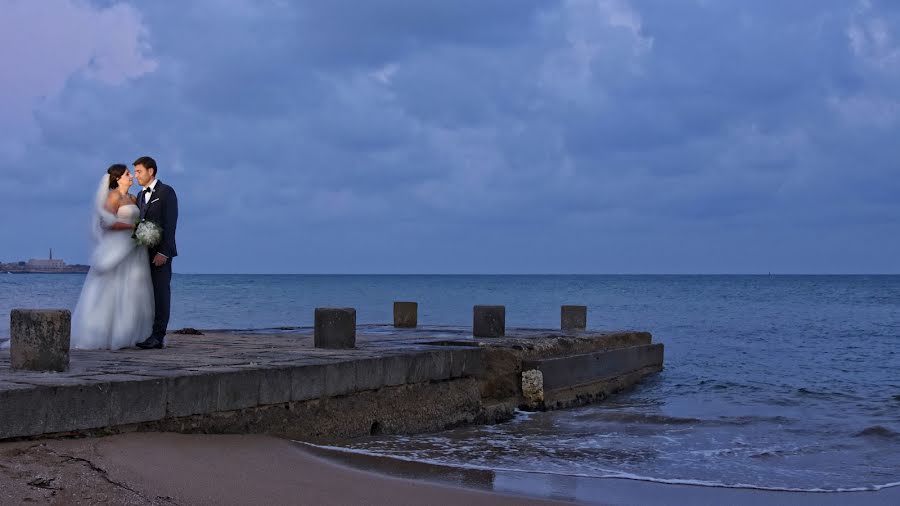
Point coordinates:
[[166, 469]]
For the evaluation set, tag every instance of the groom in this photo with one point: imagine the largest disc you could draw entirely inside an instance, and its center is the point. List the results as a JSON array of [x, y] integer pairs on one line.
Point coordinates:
[[159, 204]]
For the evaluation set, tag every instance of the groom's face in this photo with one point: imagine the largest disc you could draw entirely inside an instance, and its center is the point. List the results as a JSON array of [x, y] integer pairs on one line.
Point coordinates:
[[143, 174]]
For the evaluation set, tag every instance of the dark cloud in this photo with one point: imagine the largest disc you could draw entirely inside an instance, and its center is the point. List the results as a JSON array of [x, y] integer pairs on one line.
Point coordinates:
[[489, 136]]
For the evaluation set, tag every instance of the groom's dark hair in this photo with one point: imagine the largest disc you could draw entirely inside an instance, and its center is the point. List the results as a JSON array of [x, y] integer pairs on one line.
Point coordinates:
[[148, 163]]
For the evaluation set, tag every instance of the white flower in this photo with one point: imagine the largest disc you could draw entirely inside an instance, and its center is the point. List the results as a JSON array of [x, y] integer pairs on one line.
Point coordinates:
[[148, 234]]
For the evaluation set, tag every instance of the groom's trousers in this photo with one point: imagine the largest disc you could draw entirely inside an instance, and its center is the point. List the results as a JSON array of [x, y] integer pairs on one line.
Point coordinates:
[[162, 296]]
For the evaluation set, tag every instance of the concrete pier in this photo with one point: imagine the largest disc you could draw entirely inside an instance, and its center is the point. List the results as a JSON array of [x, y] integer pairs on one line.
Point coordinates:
[[279, 382]]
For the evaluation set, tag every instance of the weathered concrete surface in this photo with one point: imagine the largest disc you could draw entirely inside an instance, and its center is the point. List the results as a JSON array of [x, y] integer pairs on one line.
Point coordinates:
[[406, 315], [40, 339], [573, 317], [394, 381], [565, 379], [335, 327], [504, 362], [532, 387], [489, 321], [405, 409], [577, 370]]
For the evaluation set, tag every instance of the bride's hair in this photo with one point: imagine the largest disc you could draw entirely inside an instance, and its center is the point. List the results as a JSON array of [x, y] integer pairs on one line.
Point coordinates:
[[115, 171]]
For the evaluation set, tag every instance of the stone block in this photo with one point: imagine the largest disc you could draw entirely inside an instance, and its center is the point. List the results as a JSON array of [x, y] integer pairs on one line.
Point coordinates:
[[533, 388], [340, 378], [370, 373], [396, 369], [465, 362], [40, 339], [191, 394], [489, 321], [78, 406], [430, 366], [275, 386], [307, 382], [573, 317], [23, 409], [335, 327], [406, 314], [134, 399], [238, 389]]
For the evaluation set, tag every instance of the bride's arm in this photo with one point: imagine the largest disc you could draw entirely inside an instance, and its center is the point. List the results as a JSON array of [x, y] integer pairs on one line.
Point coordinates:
[[113, 201]]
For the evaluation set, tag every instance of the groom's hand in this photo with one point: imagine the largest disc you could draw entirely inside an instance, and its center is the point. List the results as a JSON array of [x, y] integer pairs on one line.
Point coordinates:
[[159, 260]]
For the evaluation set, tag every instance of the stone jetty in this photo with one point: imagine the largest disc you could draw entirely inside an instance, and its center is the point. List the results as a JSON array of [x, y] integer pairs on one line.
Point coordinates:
[[388, 380]]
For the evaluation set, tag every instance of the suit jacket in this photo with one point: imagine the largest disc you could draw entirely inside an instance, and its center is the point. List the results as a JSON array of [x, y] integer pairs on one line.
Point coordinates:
[[162, 209]]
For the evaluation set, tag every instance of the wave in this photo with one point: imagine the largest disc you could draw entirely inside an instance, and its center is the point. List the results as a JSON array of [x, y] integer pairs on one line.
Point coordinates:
[[774, 453], [659, 419], [878, 431], [645, 418], [750, 420], [608, 474], [806, 392]]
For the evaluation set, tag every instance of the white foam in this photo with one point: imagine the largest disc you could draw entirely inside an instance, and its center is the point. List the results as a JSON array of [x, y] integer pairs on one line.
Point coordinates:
[[523, 415], [610, 474]]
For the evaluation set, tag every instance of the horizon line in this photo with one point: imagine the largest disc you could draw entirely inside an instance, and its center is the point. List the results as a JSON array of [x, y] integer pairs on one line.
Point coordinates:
[[539, 274]]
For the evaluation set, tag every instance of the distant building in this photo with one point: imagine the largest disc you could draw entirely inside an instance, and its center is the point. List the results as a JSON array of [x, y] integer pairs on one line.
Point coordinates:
[[36, 265], [45, 265]]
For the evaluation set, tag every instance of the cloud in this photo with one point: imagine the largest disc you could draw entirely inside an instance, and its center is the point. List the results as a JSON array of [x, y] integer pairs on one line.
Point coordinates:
[[545, 129], [43, 45]]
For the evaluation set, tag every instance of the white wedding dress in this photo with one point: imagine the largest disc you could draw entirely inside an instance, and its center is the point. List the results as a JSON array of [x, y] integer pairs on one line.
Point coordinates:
[[115, 309]]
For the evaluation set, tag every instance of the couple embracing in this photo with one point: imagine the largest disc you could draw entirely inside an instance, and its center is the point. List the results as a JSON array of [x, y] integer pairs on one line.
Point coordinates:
[[126, 295]]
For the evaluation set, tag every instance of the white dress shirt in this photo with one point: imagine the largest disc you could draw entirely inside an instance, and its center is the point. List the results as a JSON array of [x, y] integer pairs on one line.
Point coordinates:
[[152, 187]]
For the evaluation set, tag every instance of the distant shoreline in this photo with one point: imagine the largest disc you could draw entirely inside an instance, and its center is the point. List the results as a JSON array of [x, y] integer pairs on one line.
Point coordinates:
[[45, 272]]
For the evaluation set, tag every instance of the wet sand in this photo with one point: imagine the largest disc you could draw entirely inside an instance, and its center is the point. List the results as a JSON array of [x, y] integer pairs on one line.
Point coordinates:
[[166, 469], [587, 490]]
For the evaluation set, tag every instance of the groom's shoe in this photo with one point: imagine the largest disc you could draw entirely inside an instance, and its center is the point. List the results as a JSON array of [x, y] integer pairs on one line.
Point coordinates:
[[151, 343]]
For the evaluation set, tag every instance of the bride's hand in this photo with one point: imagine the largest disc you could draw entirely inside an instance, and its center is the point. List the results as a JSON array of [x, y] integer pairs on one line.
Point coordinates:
[[121, 226]]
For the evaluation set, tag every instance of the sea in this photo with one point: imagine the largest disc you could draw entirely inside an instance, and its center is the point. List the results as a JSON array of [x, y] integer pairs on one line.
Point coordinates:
[[770, 382]]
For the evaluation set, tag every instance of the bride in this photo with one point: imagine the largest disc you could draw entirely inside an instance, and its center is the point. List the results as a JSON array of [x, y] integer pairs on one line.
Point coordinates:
[[115, 309]]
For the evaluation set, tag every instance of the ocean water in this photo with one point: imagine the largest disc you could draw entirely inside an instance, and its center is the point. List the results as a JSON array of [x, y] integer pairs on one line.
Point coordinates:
[[774, 382]]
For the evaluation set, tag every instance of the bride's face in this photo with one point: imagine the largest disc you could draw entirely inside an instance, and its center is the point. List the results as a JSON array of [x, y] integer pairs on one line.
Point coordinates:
[[125, 180]]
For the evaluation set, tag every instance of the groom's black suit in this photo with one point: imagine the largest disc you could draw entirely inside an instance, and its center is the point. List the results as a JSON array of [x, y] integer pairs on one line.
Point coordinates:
[[161, 209]]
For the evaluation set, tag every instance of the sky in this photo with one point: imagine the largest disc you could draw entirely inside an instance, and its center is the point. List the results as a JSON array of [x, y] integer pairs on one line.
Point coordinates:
[[472, 136]]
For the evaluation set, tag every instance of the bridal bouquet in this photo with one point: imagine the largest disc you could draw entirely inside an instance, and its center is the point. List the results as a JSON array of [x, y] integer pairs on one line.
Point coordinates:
[[147, 234]]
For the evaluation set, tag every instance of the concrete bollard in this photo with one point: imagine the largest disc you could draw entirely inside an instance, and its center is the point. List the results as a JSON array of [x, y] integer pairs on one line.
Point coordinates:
[[335, 327], [406, 314], [573, 317], [489, 321], [40, 339]]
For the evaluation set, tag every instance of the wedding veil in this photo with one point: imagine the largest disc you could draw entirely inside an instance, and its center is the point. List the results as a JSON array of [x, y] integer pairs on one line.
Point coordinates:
[[99, 215]]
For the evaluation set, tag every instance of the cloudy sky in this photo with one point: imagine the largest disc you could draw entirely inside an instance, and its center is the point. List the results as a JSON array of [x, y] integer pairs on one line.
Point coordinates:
[[471, 136]]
